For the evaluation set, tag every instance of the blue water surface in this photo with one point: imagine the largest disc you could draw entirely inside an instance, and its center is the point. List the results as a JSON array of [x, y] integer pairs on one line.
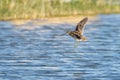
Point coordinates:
[[41, 54]]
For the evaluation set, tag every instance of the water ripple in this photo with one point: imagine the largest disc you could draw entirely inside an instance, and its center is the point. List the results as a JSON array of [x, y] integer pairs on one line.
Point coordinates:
[[42, 54]]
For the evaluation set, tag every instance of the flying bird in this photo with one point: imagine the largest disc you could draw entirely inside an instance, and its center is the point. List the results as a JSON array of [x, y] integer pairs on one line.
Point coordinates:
[[77, 34]]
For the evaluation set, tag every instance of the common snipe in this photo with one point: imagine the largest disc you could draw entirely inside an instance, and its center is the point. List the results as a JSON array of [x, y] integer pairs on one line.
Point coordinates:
[[77, 34]]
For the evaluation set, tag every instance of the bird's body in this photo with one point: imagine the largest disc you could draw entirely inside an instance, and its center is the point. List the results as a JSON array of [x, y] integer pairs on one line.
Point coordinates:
[[77, 34]]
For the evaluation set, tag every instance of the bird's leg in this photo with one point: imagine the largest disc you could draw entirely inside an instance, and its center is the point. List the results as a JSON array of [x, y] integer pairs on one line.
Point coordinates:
[[76, 44]]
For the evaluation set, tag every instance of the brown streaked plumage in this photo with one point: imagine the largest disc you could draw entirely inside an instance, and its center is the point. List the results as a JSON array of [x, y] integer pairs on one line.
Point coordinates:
[[78, 32]]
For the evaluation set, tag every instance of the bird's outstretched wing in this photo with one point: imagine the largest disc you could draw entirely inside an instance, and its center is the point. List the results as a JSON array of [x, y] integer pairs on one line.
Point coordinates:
[[80, 25]]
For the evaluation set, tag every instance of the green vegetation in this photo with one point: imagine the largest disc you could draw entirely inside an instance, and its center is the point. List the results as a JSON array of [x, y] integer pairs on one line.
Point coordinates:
[[33, 9]]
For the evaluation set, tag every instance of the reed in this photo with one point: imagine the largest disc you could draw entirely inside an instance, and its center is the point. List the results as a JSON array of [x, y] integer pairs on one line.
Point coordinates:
[[33, 9]]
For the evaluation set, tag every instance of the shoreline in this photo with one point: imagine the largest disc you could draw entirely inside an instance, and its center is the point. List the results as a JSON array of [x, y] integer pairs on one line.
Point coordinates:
[[52, 20]]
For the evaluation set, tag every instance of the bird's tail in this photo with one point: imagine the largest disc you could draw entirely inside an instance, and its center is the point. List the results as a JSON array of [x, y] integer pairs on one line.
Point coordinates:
[[84, 38]]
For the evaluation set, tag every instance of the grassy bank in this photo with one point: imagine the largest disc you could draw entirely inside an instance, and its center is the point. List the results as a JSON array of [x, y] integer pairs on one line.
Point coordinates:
[[34, 9]]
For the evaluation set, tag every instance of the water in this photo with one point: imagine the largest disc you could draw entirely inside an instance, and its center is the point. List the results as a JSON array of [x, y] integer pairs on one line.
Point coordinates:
[[41, 54]]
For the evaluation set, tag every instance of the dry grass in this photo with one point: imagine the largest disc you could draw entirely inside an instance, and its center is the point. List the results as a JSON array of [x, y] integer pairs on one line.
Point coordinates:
[[35, 9]]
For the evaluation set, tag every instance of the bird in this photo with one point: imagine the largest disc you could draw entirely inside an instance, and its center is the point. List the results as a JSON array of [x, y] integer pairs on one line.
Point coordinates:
[[77, 34]]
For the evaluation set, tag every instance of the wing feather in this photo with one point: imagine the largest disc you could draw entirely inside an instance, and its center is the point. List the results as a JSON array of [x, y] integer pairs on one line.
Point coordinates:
[[80, 25]]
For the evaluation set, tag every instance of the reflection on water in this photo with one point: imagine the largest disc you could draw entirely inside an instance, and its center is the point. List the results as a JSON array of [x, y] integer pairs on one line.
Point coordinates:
[[40, 54]]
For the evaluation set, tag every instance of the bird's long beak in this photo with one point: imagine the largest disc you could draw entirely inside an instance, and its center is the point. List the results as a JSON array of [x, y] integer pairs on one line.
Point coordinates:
[[68, 32]]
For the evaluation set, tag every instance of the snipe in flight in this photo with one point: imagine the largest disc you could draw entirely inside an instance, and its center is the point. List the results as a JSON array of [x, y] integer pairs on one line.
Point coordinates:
[[77, 34]]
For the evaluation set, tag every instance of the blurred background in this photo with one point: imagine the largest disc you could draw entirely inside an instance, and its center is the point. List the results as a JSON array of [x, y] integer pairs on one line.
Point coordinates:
[[32, 9], [31, 47]]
